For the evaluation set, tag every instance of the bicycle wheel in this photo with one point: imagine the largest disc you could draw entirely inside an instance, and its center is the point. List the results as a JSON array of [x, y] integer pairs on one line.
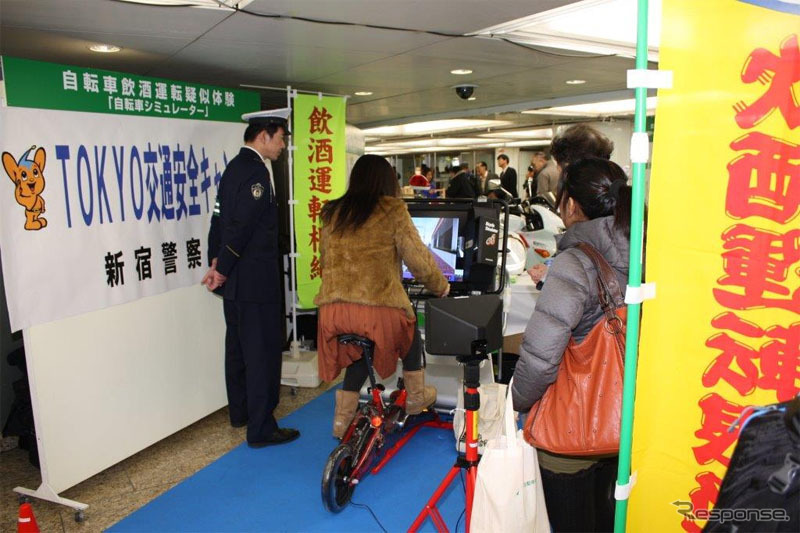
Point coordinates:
[[336, 487]]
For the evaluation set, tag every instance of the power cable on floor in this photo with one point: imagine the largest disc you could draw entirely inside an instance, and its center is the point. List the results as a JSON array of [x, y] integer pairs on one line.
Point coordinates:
[[367, 507]]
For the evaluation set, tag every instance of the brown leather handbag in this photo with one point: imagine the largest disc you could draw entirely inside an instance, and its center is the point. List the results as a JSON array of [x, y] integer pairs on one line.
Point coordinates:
[[579, 413]]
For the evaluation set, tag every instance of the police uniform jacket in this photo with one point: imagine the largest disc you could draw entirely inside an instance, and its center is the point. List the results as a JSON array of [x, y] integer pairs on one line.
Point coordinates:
[[248, 231]]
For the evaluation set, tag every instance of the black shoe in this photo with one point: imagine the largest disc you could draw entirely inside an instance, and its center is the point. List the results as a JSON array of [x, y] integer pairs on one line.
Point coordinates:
[[238, 424], [279, 436]]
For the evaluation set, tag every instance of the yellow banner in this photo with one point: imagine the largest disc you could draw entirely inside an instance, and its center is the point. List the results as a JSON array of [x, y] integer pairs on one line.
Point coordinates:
[[320, 174], [723, 247]]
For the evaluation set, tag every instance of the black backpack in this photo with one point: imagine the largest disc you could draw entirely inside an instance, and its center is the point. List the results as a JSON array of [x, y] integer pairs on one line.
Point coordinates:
[[761, 489]]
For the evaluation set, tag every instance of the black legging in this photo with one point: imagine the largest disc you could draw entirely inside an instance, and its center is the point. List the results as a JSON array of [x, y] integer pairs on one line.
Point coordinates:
[[356, 374]]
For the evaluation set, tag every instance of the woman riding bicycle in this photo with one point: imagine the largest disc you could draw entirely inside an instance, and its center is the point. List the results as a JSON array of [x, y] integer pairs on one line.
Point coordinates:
[[365, 235]]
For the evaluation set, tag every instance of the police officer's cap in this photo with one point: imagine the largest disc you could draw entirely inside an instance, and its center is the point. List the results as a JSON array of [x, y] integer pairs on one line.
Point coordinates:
[[279, 117]]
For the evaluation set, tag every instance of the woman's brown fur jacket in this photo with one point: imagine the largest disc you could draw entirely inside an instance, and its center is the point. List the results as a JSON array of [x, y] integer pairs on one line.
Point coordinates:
[[364, 266]]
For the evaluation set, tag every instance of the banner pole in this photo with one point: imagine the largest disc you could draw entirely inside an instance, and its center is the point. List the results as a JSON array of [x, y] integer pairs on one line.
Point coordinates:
[[634, 281], [294, 348]]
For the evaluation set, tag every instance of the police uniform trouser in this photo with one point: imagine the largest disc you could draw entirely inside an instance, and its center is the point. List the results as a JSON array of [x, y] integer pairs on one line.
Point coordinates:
[[253, 359]]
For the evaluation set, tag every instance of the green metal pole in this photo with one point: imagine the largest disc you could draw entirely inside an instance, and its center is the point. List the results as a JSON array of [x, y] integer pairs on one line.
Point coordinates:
[[634, 280]]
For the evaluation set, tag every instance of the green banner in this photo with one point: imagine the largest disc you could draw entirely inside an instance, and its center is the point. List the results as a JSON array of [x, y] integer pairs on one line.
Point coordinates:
[[51, 86], [320, 174]]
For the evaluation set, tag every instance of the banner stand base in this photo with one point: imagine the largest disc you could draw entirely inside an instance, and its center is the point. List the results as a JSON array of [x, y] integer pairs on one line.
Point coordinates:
[[45, 492], [300, 370]]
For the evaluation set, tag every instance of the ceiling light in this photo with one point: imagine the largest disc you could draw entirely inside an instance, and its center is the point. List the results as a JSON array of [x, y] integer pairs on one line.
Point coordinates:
[[611, 107], [443, 142], [451, 144], [104, 48], [574, 27], [542, 142], [543, 133], [228, 5], [432, 126], [363, 93], [461, 71], [575, 82]]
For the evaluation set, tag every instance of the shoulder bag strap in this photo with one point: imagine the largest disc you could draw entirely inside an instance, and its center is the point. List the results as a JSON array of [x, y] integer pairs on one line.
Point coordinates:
[[609, 293], [608, 288]]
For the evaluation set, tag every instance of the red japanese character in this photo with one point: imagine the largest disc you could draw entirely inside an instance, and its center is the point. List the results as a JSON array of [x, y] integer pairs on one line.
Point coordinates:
[[729, 320], [766, 182], [780, 362], [314, 208], [720, 368], [703, 497], [315, 236], [321, 180], [322, 151], [316, 268], [319, 121], [781, 73], [757, 260], [718, 415]]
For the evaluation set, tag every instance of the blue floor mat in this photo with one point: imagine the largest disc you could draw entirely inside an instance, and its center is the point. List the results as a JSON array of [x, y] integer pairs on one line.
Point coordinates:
[[278, 488]]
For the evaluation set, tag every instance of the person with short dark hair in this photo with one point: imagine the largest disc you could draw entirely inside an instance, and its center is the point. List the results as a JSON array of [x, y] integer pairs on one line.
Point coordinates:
[[508, 176], [245, 265], [595, 205], [578, 142], [484, 177], [366, 234], [460, 185]]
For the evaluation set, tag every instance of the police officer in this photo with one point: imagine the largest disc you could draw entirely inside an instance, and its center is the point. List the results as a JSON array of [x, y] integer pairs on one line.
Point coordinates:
[[243, 244]]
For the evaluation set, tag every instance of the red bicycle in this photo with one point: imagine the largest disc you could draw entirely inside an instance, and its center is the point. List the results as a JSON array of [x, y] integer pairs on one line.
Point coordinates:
[[366, 437]]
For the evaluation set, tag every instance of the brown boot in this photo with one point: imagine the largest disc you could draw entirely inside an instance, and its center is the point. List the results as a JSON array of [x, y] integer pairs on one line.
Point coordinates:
[[420, 397], [346, 405]]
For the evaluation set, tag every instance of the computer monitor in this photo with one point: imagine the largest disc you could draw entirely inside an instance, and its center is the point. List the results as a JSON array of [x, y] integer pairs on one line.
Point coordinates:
[[453, 324], [440, 232], [464, 238]]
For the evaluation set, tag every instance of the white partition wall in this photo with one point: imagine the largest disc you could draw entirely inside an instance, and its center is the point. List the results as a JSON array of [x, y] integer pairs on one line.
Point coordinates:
[[112, 382], [103, 253]]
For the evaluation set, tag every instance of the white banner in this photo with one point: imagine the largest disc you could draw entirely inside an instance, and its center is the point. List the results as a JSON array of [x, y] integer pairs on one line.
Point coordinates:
[[126, 206]]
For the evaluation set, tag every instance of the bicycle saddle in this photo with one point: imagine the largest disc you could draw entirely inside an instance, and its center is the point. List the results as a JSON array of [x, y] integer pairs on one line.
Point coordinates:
[[350, 338]]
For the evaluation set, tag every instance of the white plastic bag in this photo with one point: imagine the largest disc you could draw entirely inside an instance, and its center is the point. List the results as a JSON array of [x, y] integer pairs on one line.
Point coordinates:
[[490, 415], [508, 489]]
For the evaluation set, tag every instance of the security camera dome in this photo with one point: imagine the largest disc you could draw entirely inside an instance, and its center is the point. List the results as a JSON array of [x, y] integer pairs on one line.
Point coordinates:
[[464, 91]]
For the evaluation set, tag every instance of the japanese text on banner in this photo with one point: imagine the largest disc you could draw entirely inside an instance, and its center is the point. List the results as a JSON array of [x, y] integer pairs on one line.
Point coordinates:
[[319, 176]]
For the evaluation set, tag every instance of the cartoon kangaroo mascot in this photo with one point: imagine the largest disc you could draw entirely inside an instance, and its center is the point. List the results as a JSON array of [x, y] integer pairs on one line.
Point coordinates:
[[28, 177]]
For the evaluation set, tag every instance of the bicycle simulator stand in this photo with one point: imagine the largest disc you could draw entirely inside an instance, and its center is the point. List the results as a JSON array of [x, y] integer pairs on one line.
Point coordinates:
[[468, 461]]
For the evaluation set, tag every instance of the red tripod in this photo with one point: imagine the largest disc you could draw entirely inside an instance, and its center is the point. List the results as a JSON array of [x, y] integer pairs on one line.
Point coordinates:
[[469, 461]]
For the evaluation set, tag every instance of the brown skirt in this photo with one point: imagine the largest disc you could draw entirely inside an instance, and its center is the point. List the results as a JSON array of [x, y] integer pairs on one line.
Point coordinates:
[[389, 328]]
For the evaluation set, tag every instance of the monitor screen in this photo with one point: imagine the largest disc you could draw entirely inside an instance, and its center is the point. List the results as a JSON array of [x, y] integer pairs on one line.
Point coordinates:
[[441, 234], [453, 230]]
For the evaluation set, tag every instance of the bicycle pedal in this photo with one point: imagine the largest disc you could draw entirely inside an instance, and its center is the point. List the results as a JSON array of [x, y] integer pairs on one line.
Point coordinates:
[[401, 419]]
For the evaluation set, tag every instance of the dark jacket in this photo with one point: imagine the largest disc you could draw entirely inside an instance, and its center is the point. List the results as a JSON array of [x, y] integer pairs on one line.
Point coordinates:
[[567, 306], [508, 179], [248, 231], [483, 189], [460, 187]]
